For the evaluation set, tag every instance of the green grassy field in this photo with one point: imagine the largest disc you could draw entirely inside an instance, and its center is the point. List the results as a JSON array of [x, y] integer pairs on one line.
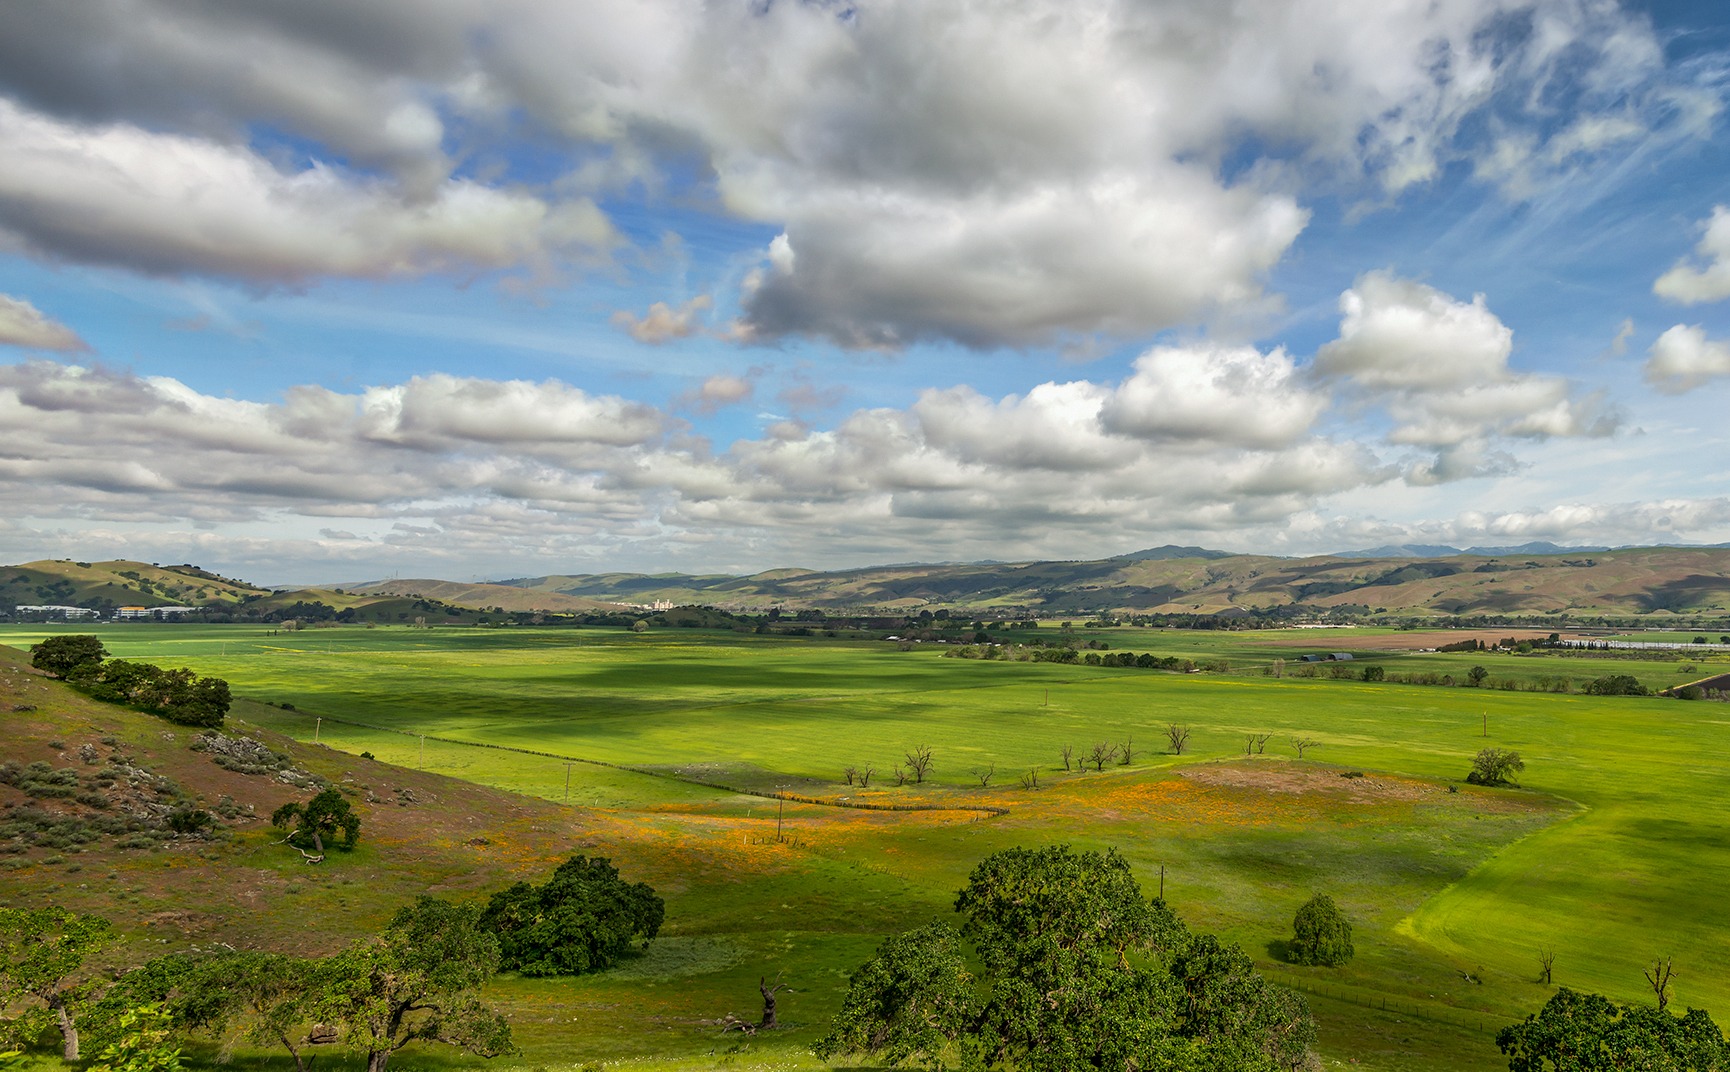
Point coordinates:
[[1612, 853]]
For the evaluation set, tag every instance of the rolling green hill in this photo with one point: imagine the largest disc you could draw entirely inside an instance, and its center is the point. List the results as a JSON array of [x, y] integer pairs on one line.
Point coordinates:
[[105, 585]]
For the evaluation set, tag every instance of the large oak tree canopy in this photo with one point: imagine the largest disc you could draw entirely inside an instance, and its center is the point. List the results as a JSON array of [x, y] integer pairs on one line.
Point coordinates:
[[583, 919], [1078, 971]]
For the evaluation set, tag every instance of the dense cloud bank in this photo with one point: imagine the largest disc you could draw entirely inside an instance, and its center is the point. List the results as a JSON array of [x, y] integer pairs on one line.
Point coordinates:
[[985, 173]]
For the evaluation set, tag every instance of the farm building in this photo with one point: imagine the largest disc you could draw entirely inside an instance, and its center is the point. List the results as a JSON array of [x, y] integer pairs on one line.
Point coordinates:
[[1331, 657]]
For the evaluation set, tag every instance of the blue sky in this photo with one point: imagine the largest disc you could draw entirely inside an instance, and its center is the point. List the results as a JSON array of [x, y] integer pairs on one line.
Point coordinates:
[[307, 292]]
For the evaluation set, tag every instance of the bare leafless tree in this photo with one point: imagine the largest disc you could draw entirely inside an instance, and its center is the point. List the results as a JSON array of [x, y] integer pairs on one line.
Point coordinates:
[[1030, 780], [1255, 744], [1279, 668], [1658, 977], [1249, 744], [985, 775], [1068, 755], [900, 775], [919, 759], [1303, 744], [850, 773], [1100, 754], [1126, 754], [768, 1022], [1546, 961], [865, 774], [1178, 736]]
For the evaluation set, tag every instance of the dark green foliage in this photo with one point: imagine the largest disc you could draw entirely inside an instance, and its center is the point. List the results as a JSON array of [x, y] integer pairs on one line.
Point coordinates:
[[1495, 766], [1320, 934], [189, 820], [326, 813], [1617, 685], [417, 981], [583, 919], [1576, 1032], [1226, 1001], [177, 695], [1077, 971], [64, 655], [1690, 692], [1375, 673], [1477, 675], [911, 1002]]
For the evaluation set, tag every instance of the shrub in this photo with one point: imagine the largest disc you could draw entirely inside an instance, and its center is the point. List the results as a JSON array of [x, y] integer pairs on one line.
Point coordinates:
[[1617, 685], [1495, 766], [1320, 934], [189, 820]]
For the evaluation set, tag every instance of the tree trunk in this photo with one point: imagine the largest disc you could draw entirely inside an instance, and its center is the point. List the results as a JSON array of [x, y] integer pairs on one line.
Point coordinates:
[[376, 1060], [293, 1051], [318, 847], [68, 1032], [768, 992]]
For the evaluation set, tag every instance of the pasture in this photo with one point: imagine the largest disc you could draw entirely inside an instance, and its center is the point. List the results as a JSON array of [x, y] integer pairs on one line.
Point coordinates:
[[1611, 853]]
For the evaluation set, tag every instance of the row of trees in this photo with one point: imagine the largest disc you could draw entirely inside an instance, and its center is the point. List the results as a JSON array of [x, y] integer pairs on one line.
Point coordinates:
[[177, 695]]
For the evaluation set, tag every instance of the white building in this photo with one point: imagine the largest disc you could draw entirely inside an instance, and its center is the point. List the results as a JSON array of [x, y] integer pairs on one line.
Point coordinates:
[[53, 610]]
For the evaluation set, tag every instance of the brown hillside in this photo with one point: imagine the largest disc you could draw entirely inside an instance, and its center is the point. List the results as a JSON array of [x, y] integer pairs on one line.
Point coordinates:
[[486, 596], [421, 833]]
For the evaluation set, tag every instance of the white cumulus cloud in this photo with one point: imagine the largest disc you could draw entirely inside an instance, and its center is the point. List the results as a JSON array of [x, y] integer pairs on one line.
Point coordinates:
[[170, 203], [1440, 369], [1683, 358], [1708, 278]]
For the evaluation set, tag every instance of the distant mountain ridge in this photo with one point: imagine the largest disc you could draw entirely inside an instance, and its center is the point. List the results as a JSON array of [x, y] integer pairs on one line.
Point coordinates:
[[1534, 578], [1171, 550], [1528, 579], [1442, 550]]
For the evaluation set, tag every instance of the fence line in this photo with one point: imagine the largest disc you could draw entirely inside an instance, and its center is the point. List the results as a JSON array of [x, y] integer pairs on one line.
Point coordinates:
[[669, 775], [1448, 1014]]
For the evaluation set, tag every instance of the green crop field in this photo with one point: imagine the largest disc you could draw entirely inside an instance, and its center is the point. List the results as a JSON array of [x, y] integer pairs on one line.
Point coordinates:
[[1614, 850]]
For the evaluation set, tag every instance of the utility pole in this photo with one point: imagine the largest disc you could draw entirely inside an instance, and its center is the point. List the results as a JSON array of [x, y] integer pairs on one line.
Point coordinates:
[[1486, 723], [1047, 702], [1162, 882], [422, 762], [567, 781], [316, 723]]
